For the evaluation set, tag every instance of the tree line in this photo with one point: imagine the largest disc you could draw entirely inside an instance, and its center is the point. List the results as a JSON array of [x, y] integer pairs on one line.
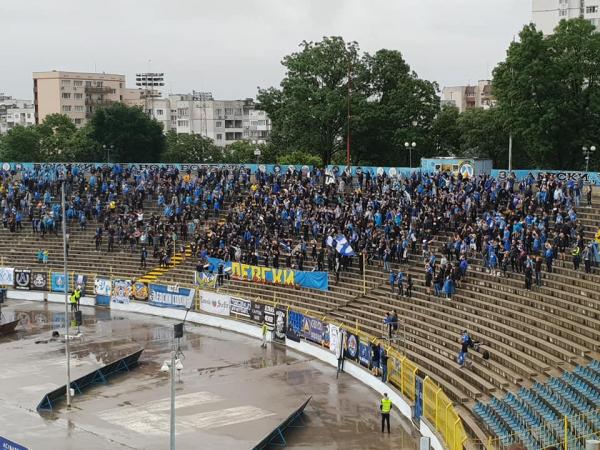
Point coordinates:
[[547, 91]]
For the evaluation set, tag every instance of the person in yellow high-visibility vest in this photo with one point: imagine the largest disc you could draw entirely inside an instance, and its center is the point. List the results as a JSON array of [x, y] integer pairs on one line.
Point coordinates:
[[385, 407], [73, 302], [264, 330]]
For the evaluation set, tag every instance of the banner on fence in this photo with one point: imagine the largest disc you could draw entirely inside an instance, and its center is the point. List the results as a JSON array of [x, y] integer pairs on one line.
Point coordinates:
[[364, 354], [171, 296], [240, 307], [351, 350], [22, 279], [280, 324], [334, 337], [257, 312], [7, 276], [560, 175], [294, 326], [269, 316], [59, 282], [214, 303], [285, 277], [139, 290], [312, 329], [102, 289], [39, 281], [120, 291], [204, 279], [81, 281], [418, 409], [5, 444]]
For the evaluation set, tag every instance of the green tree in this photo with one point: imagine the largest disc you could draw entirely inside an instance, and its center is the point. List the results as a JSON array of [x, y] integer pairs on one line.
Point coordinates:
[[83, 148], [299, 158], [190, 148], [21, 144], [242, 152], [483, 134], [135, 136], [395, 107], [445, 131], [309, 109], [548, 91], [56, 130]]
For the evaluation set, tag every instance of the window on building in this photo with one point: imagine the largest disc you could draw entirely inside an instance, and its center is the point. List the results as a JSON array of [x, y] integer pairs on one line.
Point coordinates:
[[562, 13], [219, 124], [238, 135], [159, 112], [591, 9], [66, 108], [219, 137], [78, 121], [66, 95], [183, 123], [262, 122], [183, 112], [238, 124], [254, 123], [78, 83], [219, 112], [29, 115], [228, 111], [79, 108], [77, 96], [99, 83], [88, 84], [229, 136], [238, 112]]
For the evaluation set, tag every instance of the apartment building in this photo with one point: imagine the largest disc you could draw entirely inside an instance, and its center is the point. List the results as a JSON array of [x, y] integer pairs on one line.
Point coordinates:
[[15, 112], [469, 97], [546, 14], [75, 94], [223, 121]]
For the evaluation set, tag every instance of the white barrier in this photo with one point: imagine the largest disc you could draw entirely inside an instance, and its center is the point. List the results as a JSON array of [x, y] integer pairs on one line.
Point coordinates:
[[36, 296]]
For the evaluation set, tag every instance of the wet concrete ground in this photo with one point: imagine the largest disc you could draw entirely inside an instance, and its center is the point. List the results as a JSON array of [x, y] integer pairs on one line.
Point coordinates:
[[231, 393]]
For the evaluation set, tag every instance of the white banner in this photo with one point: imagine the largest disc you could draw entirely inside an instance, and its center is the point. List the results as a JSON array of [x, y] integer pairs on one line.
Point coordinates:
[[7, 276], [334, 332], [102, 286], [214, 303]]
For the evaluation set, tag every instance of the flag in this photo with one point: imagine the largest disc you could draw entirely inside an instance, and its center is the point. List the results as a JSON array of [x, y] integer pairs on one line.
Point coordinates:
[[285, 247], [341, 245]]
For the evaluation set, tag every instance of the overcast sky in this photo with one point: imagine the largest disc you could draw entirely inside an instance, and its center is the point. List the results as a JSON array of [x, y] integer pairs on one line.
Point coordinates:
[[231, 47]]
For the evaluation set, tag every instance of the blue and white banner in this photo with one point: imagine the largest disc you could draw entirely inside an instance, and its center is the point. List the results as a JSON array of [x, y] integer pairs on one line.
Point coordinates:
[[7, 276], [171, 296], [205, 279], [561, 175], [364, 353], [418, 409], [121, 291], [59, 282], [102, 289], [5, 444]]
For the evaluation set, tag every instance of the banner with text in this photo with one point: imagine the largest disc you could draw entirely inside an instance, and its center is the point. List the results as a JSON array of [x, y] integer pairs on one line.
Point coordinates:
[[214, 303], [22, 279], [269, 275], [240, 307], [170, 296], [102, 289]]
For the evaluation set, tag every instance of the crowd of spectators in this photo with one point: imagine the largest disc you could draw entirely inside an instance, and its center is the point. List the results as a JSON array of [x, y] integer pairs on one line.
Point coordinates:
[[284, 220]]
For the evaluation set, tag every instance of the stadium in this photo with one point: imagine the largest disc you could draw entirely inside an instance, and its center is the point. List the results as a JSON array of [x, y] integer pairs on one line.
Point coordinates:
[[255, 306]]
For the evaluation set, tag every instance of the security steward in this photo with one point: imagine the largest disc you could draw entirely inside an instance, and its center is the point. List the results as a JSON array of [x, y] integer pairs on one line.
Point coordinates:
[[74, 300], [385, 407]]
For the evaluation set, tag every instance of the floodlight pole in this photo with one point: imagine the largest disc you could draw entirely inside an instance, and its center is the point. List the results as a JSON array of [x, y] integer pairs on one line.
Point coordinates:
[[66, 285], [172, 446]]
